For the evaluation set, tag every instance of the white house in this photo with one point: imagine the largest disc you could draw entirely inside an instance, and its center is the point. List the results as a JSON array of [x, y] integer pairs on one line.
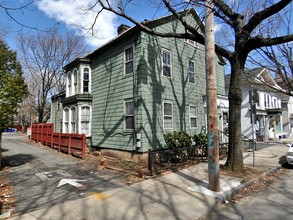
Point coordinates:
[[268, 112]]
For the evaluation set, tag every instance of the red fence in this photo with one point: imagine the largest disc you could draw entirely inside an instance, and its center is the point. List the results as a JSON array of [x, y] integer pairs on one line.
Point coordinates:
[[69, 143]]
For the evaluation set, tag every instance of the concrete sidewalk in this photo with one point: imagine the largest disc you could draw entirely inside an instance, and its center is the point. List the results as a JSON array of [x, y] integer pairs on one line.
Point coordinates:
[[181, 195]]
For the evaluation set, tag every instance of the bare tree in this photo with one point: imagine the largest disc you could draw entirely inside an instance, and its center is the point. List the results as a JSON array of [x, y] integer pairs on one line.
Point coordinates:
[[21, 7], [277, 58], [241, 22], [43, 55]]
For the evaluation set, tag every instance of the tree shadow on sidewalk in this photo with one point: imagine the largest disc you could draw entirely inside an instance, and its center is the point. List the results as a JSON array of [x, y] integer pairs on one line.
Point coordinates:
[[16, 160]]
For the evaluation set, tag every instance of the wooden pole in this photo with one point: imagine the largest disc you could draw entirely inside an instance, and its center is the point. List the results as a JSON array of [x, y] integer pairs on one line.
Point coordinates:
[[211, 86]]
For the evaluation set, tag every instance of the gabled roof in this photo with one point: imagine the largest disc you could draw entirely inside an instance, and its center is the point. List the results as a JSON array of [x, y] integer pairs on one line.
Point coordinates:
[[261, 75], [151, 24], [257, 76], [136, 29]]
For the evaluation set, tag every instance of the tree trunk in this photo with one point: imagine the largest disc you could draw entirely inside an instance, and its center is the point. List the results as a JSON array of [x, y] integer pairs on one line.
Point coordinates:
[[1, 148], [235, 155]]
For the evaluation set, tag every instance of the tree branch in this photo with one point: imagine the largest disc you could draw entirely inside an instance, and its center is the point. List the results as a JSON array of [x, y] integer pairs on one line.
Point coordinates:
[[260, 16], [257, 42]]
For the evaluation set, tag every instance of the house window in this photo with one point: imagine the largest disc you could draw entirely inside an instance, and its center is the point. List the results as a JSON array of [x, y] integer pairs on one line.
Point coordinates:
[[191, 42], [61, 124], [58, 103], [75, 81], [193, 116], [129, 114], [167, 115], [274, 102], [73, 120], [166, 59], [69, 83], [86, 79], [191, 71], [85, 120], [128, 60], [267, 101], [66, 120]]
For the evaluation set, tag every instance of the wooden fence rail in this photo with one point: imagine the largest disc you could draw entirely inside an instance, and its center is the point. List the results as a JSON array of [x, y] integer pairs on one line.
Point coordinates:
[[73, 144]]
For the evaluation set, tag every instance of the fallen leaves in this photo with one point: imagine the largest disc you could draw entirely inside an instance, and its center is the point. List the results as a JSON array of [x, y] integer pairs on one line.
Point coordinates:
[[6, 197], [256, 187]]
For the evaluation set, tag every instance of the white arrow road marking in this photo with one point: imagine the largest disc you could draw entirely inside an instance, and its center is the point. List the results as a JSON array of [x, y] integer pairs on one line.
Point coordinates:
[[73, 182]]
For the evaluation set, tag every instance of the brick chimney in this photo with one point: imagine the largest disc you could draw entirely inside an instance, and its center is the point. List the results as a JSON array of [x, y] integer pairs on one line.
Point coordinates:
[[122, 28]]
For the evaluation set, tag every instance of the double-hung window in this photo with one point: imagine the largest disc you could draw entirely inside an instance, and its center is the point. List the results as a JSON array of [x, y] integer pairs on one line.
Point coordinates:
[[192, 116], [73, 120], [69, 83], [66, 120], [75, 82], [86, 79], [191, 71], [128, 60], [85, 120], [191, 42], [166, 63], [58, 103], [129, 114], [167, 115]]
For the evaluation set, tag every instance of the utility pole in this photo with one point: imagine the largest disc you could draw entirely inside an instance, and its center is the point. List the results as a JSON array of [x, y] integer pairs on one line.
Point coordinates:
[[253, 98], [213, 133]]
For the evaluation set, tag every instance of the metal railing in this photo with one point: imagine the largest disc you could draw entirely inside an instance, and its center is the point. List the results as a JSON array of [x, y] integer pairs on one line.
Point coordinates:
[[169, 159]]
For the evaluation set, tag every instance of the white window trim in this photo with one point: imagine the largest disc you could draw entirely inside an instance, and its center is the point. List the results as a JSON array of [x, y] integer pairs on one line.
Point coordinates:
[[162, 62], [64, 120], [172, 116], [90, 78], [90, 122], [133, 59], [74, 81], [70, 117], [190, 60], [126, 101], [194, 44], [190, 116], [68, 89]]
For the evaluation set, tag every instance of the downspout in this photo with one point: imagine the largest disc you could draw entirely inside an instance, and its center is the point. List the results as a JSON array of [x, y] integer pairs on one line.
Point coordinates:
[[134, 99], [136, 136]]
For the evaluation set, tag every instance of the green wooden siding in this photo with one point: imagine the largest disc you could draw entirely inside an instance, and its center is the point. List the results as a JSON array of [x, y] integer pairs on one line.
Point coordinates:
[[149, 89], [110, 87], [56, 114]]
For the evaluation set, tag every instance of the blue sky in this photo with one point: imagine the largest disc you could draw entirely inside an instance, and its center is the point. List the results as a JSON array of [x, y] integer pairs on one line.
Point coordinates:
[[68, 16]]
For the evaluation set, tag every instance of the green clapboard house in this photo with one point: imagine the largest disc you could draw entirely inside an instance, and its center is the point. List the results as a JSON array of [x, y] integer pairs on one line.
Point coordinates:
[[138, 87]]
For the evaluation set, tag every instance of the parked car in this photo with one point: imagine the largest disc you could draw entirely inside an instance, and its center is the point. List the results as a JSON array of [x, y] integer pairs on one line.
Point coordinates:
[[289, 155]]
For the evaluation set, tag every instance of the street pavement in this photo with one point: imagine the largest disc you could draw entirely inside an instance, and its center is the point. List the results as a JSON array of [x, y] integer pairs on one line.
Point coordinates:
[[36, 171], [271, 203], [180, 195]]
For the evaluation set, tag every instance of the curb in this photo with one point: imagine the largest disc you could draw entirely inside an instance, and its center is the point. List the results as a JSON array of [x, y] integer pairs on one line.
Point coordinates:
[[228, 195]]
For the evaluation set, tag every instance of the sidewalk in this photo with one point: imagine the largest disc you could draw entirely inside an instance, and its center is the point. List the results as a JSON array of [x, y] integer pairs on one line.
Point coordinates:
[[166, 197]]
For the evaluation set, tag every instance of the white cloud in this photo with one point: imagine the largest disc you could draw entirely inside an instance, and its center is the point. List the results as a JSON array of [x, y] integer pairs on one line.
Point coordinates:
[[73, 15]]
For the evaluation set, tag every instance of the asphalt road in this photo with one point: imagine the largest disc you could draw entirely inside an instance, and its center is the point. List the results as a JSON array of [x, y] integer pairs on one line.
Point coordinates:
[[35, 172], [273, 203]]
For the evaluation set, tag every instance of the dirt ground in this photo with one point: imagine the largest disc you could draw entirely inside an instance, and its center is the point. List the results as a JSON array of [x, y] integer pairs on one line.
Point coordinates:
[[258, 186], [246, 174]]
